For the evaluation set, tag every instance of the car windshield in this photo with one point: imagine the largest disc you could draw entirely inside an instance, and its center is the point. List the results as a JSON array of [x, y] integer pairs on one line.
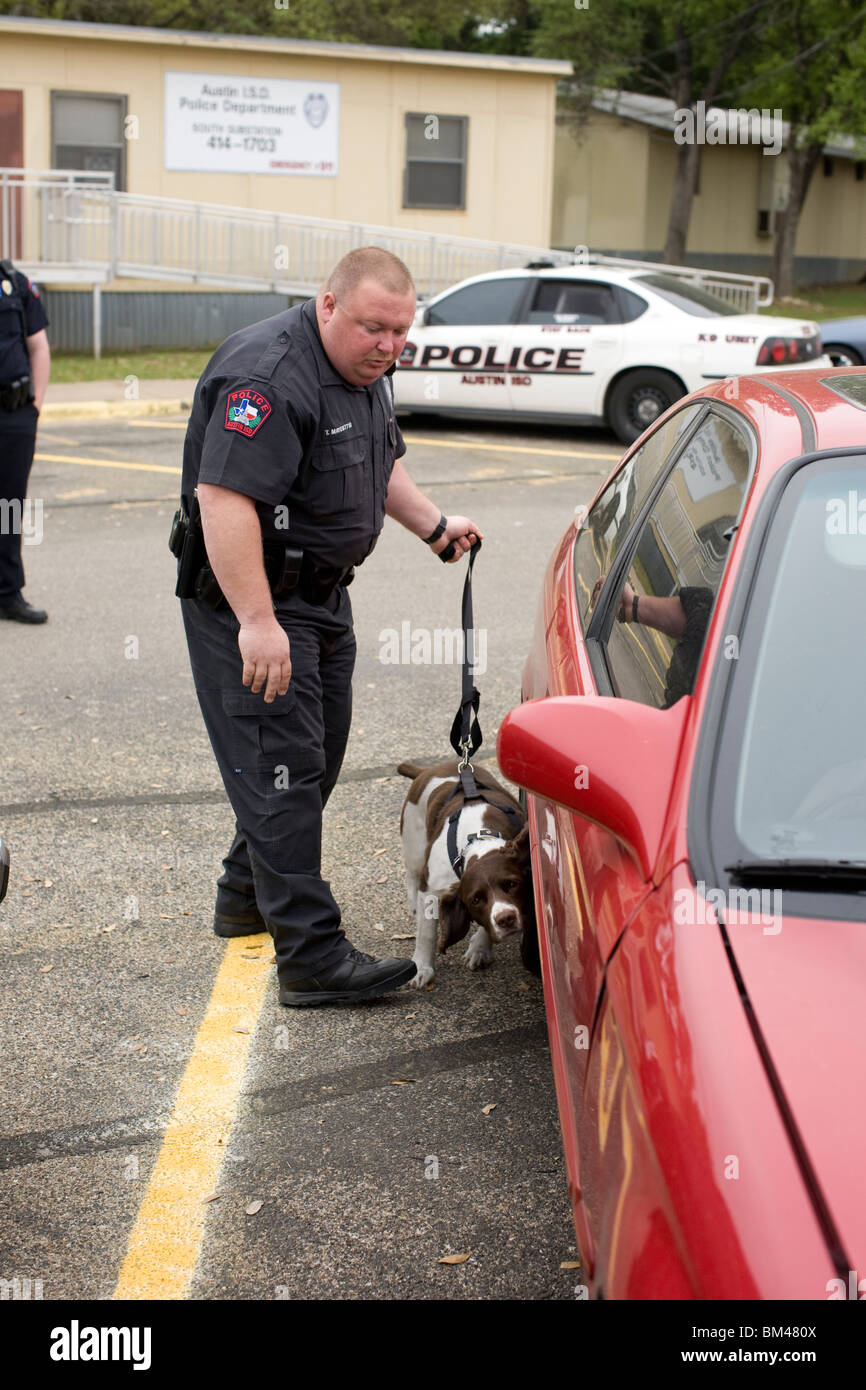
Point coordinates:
[[686, 296], [850, 388], [795, 737]]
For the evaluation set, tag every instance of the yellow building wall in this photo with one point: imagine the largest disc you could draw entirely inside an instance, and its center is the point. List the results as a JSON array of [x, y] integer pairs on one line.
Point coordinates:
[[600, 184], [613, 189], [510, 136]]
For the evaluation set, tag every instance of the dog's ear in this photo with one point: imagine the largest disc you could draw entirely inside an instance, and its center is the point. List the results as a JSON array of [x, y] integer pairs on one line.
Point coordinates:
[[453, 918], [519, 846]]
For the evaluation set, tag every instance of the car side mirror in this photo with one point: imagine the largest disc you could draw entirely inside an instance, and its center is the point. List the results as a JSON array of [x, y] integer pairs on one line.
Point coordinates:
[[613, 761]]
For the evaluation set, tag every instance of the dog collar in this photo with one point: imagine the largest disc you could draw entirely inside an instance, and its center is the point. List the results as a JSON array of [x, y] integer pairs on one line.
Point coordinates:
[[456, 859]]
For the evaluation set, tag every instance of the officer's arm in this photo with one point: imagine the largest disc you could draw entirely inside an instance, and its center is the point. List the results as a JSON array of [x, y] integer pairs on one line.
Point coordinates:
[[40, 364], [406, 503], [233, 537]]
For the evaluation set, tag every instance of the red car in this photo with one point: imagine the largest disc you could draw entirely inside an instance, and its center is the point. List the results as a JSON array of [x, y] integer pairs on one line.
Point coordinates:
[[693, 745]]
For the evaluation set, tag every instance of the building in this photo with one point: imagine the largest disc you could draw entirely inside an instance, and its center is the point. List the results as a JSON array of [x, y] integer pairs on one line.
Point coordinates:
[[614, 181], [425, 142]]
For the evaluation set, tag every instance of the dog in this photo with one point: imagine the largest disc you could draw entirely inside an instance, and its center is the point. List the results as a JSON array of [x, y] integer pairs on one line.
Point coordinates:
[[490, 886]]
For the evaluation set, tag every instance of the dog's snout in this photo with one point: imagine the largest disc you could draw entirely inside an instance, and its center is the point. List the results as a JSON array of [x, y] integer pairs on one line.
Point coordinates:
[[504, 921]]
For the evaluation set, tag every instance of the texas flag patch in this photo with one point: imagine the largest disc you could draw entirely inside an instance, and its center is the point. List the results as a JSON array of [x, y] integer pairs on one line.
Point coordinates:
[[246, 411]]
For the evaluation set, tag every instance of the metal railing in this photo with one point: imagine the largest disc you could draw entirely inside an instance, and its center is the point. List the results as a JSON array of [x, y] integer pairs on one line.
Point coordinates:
[[76, 221], [747, 292], [73, 227]]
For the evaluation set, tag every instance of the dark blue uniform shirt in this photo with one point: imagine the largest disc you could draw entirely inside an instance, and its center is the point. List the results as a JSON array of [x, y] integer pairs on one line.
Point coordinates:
[[274, 420], [22, 314]]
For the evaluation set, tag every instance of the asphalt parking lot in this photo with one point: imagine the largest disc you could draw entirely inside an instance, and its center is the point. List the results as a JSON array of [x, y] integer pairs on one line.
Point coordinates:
[[168, 1130]]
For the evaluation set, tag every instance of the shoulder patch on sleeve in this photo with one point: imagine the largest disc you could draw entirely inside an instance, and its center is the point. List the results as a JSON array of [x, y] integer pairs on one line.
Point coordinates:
[[246, 411]]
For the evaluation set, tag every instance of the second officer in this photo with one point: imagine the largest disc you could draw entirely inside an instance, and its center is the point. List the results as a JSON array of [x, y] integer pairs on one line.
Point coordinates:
[[25, 360]]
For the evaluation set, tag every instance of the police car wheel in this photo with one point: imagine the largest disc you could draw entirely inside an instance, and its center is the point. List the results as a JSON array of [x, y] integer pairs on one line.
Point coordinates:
[[842, 356], [638, 399]]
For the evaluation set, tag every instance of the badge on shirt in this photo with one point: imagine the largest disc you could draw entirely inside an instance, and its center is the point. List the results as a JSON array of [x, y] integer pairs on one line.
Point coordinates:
[[246, 411], [6, 286]]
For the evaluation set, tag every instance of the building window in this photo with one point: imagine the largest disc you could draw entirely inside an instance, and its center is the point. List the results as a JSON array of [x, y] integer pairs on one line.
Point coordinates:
[[860, 171], [87, 133], [435, 174], [828, 167]]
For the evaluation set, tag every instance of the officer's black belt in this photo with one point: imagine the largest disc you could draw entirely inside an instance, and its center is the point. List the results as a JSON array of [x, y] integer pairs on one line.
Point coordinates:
[[15, 394]]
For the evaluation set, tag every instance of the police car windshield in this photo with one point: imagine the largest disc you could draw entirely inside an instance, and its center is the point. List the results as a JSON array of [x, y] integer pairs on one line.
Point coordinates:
[[687, 297]]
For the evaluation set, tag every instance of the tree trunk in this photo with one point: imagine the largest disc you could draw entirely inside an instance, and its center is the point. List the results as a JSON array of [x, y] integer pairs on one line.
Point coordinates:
[[681, 204], [803, 161]]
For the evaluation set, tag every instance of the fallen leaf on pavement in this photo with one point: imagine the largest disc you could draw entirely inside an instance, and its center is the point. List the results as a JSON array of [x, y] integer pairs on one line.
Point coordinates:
[[570, 1264], [486, 1109], [240, 1030], [253, 1208], [454, 1259], [404, 936], [213, 1197]]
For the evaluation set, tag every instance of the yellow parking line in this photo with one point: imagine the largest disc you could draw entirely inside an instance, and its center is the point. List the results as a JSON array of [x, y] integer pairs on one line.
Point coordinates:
[[438, 443], [510, 448], [157, 424], [107, 463], [165, 1241]]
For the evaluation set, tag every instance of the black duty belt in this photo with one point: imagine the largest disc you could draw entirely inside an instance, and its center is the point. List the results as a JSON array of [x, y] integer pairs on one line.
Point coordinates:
[[15, 394], [288, 570]]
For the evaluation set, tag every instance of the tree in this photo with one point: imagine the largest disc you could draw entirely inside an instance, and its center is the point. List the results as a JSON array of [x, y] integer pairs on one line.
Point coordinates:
[[410, 23], [684, 52], [811, 68]]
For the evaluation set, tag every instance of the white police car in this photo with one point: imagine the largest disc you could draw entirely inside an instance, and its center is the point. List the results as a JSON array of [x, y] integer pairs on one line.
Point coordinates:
[[586, 345]]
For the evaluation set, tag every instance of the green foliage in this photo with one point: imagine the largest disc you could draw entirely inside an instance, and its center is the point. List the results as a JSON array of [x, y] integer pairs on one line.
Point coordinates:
[[447, 24]]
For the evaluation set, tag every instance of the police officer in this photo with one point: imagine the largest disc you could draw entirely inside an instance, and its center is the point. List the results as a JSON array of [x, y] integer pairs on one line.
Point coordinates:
[[25, 361], [292, 455]]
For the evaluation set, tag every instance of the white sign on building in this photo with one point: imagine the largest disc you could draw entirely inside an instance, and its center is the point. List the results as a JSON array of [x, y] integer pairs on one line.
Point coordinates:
[[243, 125]]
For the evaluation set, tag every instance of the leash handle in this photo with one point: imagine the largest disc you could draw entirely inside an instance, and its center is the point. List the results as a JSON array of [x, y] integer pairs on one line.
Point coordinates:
[[466, 736]]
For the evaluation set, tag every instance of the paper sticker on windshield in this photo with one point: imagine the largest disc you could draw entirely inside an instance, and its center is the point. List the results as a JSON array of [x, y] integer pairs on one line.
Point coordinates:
[[246, 411]]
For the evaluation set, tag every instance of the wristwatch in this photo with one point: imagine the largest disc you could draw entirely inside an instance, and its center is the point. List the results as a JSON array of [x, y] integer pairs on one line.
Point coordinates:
[[434, 535], [634, 616]]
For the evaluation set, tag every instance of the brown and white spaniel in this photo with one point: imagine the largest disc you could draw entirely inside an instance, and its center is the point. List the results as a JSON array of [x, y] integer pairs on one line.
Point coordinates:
[[478, 875]]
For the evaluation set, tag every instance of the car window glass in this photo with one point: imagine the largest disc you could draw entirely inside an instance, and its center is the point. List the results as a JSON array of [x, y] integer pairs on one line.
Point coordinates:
[[573, 301], [687, 296], [488, 301], [631, 305], [797, 747], [610, 518], [677, 568]]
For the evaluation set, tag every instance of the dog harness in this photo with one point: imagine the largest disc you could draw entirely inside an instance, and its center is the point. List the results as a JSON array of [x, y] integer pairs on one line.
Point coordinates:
[[469, 787]]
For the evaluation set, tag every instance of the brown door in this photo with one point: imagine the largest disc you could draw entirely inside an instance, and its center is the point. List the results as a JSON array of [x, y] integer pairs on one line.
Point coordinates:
[[11, 156]]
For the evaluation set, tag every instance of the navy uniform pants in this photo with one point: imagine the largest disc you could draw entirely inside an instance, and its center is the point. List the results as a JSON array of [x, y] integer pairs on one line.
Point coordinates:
[[279, 763], [17, 443]]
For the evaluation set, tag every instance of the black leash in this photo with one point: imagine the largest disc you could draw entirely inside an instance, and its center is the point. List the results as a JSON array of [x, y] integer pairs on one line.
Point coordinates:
[[466, 736]]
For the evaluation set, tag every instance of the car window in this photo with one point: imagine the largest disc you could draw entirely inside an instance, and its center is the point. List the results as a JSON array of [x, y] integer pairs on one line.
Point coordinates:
[[573, 301], [488, 301], [677, 567], [688, 297], [610, 518], [793, 741], [631, 305]]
